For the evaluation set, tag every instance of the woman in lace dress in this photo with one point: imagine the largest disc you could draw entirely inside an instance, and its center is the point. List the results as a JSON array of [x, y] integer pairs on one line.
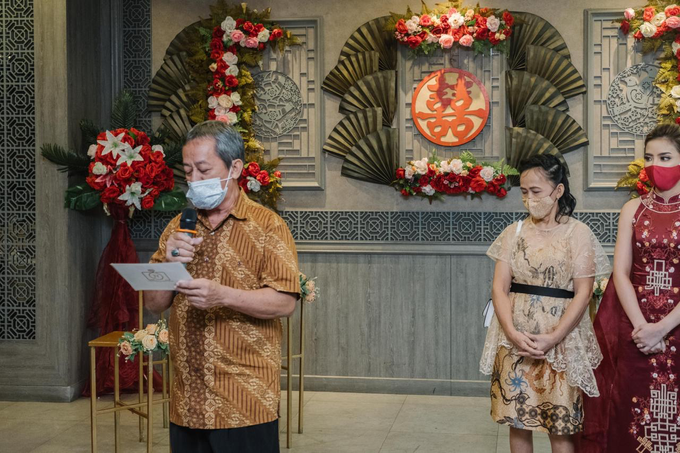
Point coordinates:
[[540, 349], [637, 324]]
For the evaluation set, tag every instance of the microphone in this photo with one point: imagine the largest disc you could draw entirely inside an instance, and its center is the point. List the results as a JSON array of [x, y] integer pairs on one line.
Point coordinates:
[[187, 223]]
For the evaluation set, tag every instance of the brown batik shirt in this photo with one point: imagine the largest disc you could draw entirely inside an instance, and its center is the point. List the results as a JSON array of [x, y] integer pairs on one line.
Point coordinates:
[[227, 364]]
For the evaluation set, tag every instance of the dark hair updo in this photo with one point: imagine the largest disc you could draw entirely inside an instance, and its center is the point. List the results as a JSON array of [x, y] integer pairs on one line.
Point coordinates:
[[557, 174], [670, 132]]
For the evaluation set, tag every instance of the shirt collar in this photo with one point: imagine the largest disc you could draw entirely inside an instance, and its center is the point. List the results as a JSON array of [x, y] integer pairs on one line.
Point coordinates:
[[239, 212]]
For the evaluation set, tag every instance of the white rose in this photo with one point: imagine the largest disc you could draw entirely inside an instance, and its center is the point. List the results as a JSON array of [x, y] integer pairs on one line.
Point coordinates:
[[457, 166], [412, 26], [492, 23], [432, 38], [225, 101], [415, 20], [629, 13], [232, 70], [487, 174], [263, 36], [236, 98], [675, 92], [228, 25], [421, 166], [253, 184], [233, 119], [149, 342], [230, 58], [436, 21], [408, 172], [648, 30], [446, 167], [158, 148], [677, 105], [140, 334], [469, 14], [658, 19], [456, 20], [501, 36], [99, 169], [428, 190], [92, 151], [212, 102], [219, 110]]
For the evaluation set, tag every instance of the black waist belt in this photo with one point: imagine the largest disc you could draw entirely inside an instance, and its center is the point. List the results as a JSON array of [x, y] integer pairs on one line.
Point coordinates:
[[541, 291]]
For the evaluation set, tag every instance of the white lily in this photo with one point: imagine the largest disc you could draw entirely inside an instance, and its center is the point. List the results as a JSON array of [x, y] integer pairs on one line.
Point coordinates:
[[132, 195], [129, 155], [113, 144]]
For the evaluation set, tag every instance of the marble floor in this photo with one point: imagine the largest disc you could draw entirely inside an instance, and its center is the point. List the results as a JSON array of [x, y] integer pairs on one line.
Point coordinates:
[[334, 422]]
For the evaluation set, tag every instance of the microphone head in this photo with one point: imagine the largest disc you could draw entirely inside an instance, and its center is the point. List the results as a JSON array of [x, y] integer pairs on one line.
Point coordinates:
[[188, 219]]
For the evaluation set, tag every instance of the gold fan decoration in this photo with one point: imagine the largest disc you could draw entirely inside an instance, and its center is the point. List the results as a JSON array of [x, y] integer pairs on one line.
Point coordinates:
[[182, 41], [374, 159], [351, 129], [173, 75], [556, 69], [372, 36], [523, 89], [348, 71], [180, 100], [561, 129], [528, 30], [375, 90], [521, 143]]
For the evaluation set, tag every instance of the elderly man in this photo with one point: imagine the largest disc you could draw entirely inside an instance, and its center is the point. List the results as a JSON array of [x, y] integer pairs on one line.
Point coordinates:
[[225, 332]]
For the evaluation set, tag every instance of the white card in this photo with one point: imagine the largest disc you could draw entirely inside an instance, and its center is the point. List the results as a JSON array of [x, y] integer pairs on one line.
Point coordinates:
[[152, 277]]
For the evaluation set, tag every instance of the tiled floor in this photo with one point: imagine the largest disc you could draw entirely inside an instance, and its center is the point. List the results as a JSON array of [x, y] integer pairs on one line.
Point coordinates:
[[334, 422]]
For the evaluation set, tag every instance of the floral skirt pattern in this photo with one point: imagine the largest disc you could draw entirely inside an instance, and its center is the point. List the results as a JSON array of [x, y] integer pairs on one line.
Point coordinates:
[[529, 394]]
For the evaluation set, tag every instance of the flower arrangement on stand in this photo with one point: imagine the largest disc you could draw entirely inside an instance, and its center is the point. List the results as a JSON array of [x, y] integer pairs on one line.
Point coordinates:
[[433, 178], [265, 180], [481, 29], [636, 179], [308, 289], [224, 48], [657, 28], [153, 338]]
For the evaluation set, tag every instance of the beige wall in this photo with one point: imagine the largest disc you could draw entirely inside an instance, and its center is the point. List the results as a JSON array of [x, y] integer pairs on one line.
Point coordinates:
[[340, 18]]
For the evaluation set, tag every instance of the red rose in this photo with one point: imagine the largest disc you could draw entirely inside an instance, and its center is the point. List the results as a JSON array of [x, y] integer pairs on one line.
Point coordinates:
[[431, 171], [147, 202], [444, 21], [92, 182], [643, 174], [663, 28], [260, 46], [492, 188], [482, 35], [259, 28], [641, 188], [413, 41], [253, 169], [231, 81], [216, 55], [501, 193], [216, 44], [157, 157], [211, 115], [276, 34], [493, 40], [677, 120], [508, 19], [154, 193], [263, 178], [124, 173], [638, 35], [500, 180], [474, 171], [401, 27], [218, 32], [477, 184], [438, 183], [401, 174], [222, 67], [480, 21], [277, 174], [110, 194], [437, 31], [672, 11], [648, 14], [243, 183], [248, 26], [425, 20], [625, 27], [423, 181], [404, 192]]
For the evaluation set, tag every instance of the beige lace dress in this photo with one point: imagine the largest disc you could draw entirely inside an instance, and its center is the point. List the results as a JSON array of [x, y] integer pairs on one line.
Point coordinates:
[[544, 395]]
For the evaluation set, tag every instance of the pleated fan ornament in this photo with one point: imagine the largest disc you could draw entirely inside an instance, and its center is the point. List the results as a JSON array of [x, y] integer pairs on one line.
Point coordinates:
[[521, 143], [351, 129], [375, 90], [374, 158], [348, 71], [183, 40], [372, 36], [171, 77], [556, 69], [532, 30], [179, 100], [177, 124], [523, 89], [558, 127]]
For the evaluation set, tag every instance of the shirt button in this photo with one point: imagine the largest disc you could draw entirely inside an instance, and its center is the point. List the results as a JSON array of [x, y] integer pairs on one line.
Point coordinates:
[[212, 233]]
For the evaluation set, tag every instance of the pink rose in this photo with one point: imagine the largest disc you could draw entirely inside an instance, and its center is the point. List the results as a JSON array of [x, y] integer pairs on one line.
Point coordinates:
[[237, 35], [446, 41], [466, 41], [425, 20], [629, 13], [163, 336], [252, 43], [673, 22], [126, 348]]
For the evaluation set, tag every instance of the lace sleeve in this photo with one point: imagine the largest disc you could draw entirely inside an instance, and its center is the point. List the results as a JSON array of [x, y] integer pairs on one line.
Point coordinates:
[[590, 259], [501, 249]]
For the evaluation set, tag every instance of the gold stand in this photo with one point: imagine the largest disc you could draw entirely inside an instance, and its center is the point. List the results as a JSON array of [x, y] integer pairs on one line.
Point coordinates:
[[288, 368]]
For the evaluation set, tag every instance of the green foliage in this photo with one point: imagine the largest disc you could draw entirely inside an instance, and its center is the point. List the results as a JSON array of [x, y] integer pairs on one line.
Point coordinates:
[[81, 197], [124, 114], [66, 160], [89, 132], [170, 201]]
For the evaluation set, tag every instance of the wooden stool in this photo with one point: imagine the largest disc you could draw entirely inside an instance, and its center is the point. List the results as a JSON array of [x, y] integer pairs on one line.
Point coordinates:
[[288, 368]]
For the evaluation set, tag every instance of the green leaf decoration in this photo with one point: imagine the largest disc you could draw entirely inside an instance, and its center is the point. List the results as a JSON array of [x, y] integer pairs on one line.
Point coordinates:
[[81, 197], [89, 132], [124, 114], [170, 201], [67, 160]]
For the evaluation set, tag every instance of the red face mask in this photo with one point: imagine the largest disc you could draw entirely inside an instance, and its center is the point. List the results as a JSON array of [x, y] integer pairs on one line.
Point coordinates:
[[663, 178]]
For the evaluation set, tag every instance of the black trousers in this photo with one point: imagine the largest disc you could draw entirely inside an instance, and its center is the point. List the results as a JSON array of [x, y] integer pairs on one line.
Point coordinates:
[[262, 438]]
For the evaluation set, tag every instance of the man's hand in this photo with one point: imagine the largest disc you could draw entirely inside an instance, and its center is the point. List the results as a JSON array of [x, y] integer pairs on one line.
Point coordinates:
[[183, 247], [201, 293]]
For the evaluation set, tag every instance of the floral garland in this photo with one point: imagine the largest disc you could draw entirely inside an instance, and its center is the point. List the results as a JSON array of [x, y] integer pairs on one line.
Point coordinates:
[[478, 28], [636, 179], [433, 178], [254, 179], [657, 26], [223, 47], [153, 338]]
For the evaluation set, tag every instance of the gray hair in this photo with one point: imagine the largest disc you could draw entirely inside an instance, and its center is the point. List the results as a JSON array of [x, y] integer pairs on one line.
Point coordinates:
[[228, 141]]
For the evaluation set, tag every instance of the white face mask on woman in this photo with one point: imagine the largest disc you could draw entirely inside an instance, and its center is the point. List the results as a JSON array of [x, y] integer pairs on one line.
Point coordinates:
[[208, 194], [539, 208]]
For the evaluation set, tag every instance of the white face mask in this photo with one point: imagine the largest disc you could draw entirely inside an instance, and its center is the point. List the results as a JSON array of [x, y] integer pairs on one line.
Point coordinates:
[[208, 194]]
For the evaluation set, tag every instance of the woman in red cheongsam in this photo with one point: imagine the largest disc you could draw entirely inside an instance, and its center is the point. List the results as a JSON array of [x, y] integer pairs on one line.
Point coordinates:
[[637, 325]]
